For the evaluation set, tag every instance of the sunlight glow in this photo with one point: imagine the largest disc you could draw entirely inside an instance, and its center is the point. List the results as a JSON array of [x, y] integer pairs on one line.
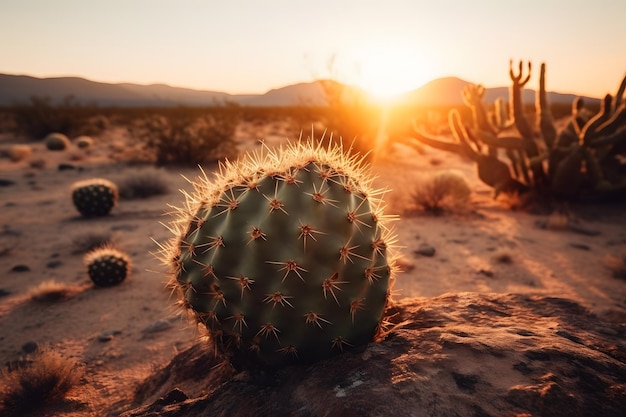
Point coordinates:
[[388, 71]]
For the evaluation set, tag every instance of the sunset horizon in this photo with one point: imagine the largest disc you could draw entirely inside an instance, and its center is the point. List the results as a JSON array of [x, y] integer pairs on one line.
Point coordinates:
[[250, 49]]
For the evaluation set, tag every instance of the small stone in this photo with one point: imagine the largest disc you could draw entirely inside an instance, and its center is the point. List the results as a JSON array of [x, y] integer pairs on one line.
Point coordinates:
[[30, 347], [173, 397], [54, 264], [66, 167], [20, 268], [580, 246], [108, 336], [486, 272], [4, 292], [157, 326], [425, 250], [5, 182]]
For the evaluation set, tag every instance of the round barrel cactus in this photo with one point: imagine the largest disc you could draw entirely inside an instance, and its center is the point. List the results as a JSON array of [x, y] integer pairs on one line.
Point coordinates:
[[286, 256], [107, 266], [94, 197], [57, 142]]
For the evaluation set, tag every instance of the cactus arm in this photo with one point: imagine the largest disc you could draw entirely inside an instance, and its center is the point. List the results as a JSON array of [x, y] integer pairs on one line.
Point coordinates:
[[613, 123], [610, 139], [435, 142], [590, 129], [462, 135], [619, 97], [504, 142], [516, 101], [544, 116], [473, 98]]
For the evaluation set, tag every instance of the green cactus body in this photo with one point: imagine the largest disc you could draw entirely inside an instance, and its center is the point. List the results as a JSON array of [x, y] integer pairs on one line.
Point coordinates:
[[94, 197], [107, 266], [286, 257]]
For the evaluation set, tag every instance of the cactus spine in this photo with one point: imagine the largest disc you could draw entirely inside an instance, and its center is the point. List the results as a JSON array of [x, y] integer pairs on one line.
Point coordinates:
[[286, 256], [94, 197]]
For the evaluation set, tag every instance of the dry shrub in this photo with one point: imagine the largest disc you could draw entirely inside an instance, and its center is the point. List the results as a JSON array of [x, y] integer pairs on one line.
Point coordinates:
[[41, 379], [51, 290], [445, 191], [20, 152], [182, 137], [143, 183]]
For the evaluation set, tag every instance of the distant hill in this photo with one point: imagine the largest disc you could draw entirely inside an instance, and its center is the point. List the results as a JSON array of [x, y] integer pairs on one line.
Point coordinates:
[[19, 88], [448, 92]]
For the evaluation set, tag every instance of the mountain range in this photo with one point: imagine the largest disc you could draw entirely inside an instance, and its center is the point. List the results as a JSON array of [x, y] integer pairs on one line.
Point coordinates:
[[15, 89]]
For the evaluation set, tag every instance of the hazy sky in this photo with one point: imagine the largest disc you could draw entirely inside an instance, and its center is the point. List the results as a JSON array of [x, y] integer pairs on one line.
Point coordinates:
[[253, 46]]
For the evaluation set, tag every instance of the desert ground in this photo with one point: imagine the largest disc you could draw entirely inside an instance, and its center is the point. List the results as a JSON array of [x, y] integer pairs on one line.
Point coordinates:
[[121, 335]]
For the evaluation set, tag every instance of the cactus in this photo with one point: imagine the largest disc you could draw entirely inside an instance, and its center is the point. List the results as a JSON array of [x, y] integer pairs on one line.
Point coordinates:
[[285, 257], [94, 197], [583, 160], [107, 266], [83, 142], [57, 142]]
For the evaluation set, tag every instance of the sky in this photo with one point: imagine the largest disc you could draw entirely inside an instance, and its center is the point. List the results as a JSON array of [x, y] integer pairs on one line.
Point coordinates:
[[386, 46]]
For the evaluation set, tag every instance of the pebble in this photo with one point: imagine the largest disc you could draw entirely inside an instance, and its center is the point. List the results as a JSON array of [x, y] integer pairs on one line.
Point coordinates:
[[30, 347], [108, 335], [425, 250], [20, 268], [157, 326]]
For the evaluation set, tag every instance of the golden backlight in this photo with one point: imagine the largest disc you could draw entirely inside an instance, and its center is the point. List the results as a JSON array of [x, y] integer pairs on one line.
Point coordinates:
[[387, 71]]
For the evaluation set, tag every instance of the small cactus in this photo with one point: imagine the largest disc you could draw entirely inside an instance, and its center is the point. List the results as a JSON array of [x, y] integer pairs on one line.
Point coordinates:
[[107, 266], [57, 142], [286, 256], [83, 142], [94, 197]]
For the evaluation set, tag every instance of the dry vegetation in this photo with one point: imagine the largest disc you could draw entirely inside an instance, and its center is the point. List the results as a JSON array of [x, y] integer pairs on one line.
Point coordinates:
[[38, 380]]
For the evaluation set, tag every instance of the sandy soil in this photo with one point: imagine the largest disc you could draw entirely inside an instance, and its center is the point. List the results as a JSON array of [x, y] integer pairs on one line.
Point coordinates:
[[120, 335]]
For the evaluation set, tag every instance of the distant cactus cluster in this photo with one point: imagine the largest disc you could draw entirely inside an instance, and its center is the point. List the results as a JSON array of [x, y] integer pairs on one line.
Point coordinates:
[[285, 256], [95, 197], [584, 160], [107, 266]]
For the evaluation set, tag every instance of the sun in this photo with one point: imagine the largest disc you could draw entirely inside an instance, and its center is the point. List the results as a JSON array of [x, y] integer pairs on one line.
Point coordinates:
[[386, 71]]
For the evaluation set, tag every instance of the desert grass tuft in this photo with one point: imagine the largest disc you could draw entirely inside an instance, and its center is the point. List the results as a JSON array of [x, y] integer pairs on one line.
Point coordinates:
[[445, 191], [41, 379], [90, 240], [143, 183], [51, 291]]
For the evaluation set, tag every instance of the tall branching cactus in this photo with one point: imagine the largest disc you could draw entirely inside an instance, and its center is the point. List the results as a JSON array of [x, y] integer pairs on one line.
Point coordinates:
[[585, 159]]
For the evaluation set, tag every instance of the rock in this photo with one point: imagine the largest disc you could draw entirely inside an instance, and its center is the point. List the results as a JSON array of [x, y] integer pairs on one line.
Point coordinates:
[[66, 167], [4, 292], [425, 250], [157, 326], [580, 246], [5, 183], [455, 355], [20, 268], [30, 347], [54, 264], [108, 335]]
